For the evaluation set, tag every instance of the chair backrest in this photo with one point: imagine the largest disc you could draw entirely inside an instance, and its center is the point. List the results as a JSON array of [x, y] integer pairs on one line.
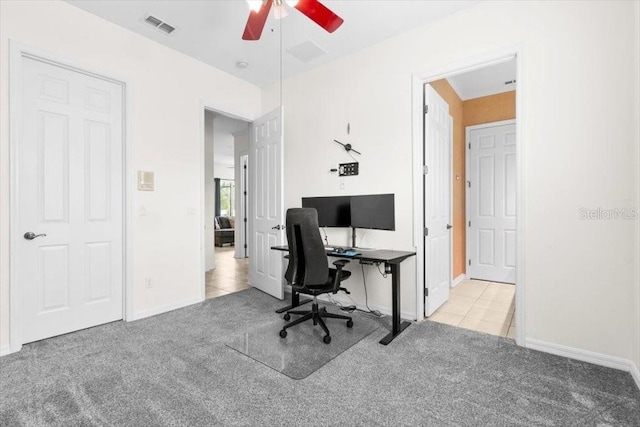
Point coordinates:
[[308, 263]]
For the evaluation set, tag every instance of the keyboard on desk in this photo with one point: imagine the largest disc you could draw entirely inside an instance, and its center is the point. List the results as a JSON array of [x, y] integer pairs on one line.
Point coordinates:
[[342, 251]]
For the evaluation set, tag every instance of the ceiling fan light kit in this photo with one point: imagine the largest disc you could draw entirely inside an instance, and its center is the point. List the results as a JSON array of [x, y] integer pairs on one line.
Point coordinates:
[[313, 9]]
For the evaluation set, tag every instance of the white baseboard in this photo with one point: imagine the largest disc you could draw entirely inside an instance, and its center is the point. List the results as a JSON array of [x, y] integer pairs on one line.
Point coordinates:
[[586, 356], [4, 350], [165, 308], [458, 279], [635, 373]]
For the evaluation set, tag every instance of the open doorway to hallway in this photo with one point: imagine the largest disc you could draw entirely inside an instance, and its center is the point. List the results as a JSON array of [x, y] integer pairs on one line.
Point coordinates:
[[230, 275], [226, 144], [481, 106]]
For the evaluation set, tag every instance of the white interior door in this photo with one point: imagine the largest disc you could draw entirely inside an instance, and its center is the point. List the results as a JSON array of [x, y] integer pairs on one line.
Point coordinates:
[[437, 199], [266, 225], [491, 154], [69, 194]]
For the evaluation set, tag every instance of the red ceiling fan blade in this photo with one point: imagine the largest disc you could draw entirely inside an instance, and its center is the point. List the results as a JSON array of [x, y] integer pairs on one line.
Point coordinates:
[[256, 21], [319, 14]]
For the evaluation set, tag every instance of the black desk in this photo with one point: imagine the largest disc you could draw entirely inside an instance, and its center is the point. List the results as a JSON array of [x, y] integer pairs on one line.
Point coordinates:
[[391, 260]]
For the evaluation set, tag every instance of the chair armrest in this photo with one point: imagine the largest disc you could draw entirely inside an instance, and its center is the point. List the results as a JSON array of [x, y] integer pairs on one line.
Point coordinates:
[[341, 263], [339, 266]]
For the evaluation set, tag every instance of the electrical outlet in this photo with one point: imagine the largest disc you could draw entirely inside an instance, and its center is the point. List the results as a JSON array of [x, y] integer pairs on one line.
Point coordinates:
[[147, 282]]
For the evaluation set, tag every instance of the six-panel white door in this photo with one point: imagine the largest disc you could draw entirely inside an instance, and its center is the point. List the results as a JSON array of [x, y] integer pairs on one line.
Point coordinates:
[[70, 177], [266, 203], [492, 203], [437, 201]]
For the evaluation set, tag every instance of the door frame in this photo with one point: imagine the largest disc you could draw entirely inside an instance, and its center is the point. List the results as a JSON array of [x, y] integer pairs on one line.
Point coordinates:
[[18, 51], [469, 61], [213, 107], [467, 196]]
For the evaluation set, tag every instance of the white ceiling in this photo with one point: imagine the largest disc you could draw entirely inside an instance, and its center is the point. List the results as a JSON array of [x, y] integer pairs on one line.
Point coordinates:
[[485, 81], [211, 30]]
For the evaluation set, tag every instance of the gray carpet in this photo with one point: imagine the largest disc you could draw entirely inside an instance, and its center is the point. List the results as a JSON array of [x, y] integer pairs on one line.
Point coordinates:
[[174, 369], [302, 352]]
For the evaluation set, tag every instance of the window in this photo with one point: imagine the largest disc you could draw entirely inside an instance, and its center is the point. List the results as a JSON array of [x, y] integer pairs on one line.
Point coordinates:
[[227, 197]]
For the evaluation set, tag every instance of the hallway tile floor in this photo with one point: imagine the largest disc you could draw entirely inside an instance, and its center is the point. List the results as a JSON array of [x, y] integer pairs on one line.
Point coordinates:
[[480, 306], [230, 275]]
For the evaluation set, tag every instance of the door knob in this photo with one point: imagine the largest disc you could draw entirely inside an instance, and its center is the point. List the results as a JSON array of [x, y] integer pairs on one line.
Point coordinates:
[[449, 226], [30, 235], [277, 227]]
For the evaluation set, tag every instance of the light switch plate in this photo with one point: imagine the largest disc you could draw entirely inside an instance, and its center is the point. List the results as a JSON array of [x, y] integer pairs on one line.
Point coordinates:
[[145, 181]]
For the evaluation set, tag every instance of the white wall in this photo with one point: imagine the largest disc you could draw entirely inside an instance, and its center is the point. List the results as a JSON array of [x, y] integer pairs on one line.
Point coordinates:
[[223, 171], [241, 148], [209, 193], [166, 89], [579, 116]]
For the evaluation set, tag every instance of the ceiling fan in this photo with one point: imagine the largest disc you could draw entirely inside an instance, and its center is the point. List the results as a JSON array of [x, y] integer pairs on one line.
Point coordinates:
[[313, 9]]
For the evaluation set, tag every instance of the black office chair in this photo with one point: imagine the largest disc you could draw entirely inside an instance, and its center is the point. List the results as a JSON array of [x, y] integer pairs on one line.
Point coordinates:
[[308, 271]]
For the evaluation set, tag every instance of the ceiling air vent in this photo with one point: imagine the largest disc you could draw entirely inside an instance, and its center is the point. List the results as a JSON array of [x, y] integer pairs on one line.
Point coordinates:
[[306, 51], [159, 24]]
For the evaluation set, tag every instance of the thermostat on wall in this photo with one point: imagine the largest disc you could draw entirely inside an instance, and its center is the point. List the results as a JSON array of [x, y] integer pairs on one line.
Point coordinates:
[[145, 181]]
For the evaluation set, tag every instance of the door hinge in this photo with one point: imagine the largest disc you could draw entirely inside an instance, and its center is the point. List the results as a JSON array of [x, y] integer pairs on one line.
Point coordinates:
[[469, 184], [426, 109], [469, 223], [425, 169], [469, 262], [245, 220], [426, 292], [426, 231], [245, 246], [245, 193], [245, 166], [469, 146]]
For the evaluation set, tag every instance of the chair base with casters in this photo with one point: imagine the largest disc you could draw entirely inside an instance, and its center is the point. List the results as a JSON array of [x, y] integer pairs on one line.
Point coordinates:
[[317, 315]]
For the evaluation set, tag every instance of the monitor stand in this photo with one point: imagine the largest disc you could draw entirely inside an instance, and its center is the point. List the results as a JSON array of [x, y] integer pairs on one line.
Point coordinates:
[[353, 242], [353, 237]]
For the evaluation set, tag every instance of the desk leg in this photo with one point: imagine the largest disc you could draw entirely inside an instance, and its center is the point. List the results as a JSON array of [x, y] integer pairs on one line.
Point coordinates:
[[295, 302], [397, 324]]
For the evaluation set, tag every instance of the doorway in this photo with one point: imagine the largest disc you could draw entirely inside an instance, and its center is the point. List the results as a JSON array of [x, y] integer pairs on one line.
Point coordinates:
[[469, 86], [264, 149], [223, 146]]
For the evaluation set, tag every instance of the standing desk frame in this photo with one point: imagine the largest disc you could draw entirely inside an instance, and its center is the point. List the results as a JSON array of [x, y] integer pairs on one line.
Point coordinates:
[[391, 260]]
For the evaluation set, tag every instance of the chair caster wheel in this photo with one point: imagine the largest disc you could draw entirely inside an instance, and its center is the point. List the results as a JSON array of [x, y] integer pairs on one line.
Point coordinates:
[[287, 317], [283, 333], [326, 339], [349, 323]]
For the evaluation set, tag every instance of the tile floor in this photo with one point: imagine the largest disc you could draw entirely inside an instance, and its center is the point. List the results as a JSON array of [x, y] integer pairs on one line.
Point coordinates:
[[480, 306], [230, 275]]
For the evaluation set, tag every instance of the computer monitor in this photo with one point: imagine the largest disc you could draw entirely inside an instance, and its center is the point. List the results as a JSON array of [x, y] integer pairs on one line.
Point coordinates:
[[374, 211], [332, 211]]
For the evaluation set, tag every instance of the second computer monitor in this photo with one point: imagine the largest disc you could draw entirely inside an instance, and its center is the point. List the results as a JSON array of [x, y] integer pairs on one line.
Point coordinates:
[[375, 211]]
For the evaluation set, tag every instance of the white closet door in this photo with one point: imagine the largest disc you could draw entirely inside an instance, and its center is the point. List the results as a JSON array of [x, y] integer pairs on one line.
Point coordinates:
[[492, 203], [70, 171]]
